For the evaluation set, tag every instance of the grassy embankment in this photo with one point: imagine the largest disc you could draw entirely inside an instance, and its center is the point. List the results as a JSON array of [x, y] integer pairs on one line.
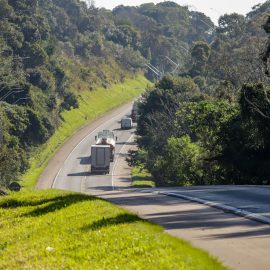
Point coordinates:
[[62, 230], [141, 178], [92, 104]]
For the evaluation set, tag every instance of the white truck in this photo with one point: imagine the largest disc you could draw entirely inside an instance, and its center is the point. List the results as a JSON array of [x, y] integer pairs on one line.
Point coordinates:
[[100, 158], [106, 137], [126, 123]]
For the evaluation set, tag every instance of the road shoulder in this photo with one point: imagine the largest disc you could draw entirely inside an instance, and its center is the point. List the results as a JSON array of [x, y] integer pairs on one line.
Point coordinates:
[[48, 175]]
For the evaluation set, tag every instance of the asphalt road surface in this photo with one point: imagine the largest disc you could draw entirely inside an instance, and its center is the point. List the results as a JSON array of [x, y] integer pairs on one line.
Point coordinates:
[[75, 173], [238, 242], [253, 199]]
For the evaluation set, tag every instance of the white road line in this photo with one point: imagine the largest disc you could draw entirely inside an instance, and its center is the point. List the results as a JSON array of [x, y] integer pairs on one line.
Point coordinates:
[[54, 181], [52, 186], [114, 165], [221, 206]]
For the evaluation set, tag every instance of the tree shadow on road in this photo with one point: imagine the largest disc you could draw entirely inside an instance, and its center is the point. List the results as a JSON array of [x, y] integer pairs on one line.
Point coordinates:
[[183, 215]]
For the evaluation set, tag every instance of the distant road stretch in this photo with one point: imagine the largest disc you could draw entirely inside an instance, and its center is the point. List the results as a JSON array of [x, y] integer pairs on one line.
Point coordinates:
[[238, 242], [70, 167]]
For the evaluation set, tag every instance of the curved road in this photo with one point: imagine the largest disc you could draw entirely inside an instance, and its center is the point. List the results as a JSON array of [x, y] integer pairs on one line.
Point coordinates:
[[238, 242], [75, 174]]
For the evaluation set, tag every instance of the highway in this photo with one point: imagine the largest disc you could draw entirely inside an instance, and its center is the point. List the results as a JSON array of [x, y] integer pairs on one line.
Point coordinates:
[[238, 242], [245, 198], [75, 173]]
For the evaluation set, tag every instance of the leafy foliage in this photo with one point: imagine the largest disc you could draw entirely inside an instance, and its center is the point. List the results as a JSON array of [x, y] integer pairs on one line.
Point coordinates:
[[221, 134], [51, 50]]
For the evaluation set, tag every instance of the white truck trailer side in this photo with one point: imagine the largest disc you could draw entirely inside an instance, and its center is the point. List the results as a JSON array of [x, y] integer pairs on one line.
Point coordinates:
[[100, 158]]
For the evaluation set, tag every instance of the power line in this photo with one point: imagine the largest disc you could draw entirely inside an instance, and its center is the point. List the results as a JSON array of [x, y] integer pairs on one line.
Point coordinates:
[[9, 93], [14, 103]]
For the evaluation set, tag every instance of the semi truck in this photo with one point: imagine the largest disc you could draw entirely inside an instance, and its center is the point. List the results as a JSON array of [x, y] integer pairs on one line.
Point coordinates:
[[126, 123], [100, 158], [107, 137]]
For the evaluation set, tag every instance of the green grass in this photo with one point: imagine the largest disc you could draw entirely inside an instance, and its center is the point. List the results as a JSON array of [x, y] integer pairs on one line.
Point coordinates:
[[62, 230], [141, 178], [92, 104]]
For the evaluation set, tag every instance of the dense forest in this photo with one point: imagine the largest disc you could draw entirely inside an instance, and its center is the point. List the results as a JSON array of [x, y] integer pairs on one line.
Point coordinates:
[[211, 123], [50, 50], [211, 108]]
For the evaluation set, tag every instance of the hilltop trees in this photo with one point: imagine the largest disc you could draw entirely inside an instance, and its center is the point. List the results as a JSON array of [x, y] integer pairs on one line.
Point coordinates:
[[220, 135], [166, 29], [48, 49], [200, 54]]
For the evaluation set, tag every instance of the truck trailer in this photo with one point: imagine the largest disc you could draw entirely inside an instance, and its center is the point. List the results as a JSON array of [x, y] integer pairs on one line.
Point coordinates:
[[106, 137], [100, 158]]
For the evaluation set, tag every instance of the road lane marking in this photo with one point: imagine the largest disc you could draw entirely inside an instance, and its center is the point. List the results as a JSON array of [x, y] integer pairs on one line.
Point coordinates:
[[53, 183], [103, 124], [220, 206]]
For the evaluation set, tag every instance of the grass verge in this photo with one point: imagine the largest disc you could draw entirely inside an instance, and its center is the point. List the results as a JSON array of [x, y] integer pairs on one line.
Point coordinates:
[[92, 104], [141, 178], [63, 230]]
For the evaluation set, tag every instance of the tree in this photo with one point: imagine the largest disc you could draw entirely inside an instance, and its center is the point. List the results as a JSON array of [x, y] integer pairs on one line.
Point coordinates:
[[230, 26], [9, 165], [181, 163], [200, 54]]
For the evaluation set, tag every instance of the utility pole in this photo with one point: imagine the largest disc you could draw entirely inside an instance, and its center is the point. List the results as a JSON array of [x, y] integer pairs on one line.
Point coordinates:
[[173, 63], [158, 73], [19, 99], [9, 93]]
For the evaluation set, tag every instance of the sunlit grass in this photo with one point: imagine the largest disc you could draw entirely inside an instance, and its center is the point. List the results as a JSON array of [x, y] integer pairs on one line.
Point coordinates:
[[141, 178], [62, 230], [92, 104]]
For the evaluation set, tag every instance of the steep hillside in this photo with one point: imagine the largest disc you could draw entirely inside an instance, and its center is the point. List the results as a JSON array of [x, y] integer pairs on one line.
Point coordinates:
[[50, 51]]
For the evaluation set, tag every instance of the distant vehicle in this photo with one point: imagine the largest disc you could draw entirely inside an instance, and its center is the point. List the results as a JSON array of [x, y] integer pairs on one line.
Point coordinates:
[[126, 123], [100, 158], [134, 111], [107, 137]]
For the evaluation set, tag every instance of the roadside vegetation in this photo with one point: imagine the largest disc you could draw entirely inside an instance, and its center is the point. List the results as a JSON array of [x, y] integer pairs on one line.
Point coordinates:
[[141, 178], [90, 106], [62, 230], [52, 52], [211, 124]]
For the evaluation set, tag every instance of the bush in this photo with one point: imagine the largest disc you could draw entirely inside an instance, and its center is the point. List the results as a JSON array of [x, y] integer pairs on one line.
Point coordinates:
[[181, 163], [9, 165], [70, 101]]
